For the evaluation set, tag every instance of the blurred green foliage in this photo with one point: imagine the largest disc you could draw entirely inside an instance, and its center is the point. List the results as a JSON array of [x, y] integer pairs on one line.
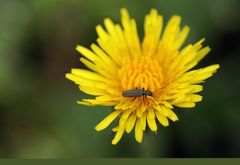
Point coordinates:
[[39, 117]]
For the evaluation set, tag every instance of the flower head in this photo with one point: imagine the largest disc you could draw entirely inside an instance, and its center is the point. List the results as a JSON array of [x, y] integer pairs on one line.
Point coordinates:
[[121, 64]]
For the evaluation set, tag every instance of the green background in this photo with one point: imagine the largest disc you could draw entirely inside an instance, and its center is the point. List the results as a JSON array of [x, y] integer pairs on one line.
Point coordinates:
[[39, 117]]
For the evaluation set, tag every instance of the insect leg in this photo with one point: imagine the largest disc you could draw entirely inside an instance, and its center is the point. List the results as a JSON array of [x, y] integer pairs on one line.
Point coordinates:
[[133, 98]]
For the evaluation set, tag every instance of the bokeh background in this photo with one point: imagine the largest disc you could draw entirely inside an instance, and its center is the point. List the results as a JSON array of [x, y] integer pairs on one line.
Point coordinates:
[[39, 117]]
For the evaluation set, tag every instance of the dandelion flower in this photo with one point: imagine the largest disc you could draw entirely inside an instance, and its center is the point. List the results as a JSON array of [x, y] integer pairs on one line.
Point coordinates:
[[120, 62]]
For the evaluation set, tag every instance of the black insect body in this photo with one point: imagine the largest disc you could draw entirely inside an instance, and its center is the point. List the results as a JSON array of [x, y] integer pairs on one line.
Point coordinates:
[[137, 93]]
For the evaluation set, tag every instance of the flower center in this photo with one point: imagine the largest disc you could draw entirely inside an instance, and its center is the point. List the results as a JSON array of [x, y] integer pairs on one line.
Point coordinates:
[[142, 73]]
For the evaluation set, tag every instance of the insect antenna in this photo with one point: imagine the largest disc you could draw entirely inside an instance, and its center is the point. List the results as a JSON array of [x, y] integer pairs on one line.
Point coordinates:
[[153, 101], [160, 88]]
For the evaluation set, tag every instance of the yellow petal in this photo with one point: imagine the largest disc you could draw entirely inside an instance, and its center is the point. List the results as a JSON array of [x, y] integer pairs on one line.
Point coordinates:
[[86, 82], [72, 77], [92, 90], [167, 112], [110, 48], [85, 103], [162, 110], [118, 135], [104, 57], [122, 105], [171, 31], [88, 54], [143, 121], [196, 88], [131, 122], [89, 64], [162, 119], [124, 118], [190, 53], [107, 121], [131, 35], [141, 109], [151, 121], [138, 132], [181, 37], [188, 57], [115, 129], [195, 97], [211, 68], [119, 40], [204, 73], [172, 115], [121, 127], [93, 102], [151, 114], [88, 75], [101, 33], [108, 97], [97, 68], [186, 104], [152, 29], [167, 104], [179, 99], [111, 28], [202, 53]]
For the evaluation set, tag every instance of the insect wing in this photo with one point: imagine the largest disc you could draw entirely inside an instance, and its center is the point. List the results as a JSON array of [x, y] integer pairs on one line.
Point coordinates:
[[133, 93]]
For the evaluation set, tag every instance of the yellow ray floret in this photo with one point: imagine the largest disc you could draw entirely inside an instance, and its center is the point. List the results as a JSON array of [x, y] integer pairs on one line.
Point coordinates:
[[156, 71]]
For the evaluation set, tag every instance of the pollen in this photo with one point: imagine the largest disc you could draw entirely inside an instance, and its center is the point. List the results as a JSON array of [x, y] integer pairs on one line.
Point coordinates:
[[141, 73]]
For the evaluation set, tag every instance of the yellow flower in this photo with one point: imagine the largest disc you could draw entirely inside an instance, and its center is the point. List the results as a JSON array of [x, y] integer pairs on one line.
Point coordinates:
[[120, 62]]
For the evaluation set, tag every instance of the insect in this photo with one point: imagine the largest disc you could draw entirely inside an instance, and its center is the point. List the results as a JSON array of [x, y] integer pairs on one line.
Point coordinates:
[[137, 93], [140, 93]]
